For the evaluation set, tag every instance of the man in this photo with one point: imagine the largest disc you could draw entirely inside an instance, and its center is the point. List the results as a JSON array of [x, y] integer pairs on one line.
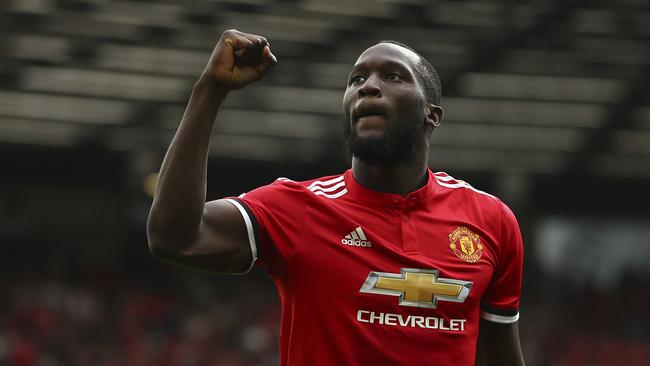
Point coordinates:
[[386, 264]]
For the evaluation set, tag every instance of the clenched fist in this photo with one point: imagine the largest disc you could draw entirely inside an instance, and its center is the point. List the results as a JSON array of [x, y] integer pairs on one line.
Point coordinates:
[[239, 59]]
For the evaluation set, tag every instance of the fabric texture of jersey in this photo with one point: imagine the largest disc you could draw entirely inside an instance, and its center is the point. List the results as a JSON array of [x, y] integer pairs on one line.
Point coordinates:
[[369, 278]]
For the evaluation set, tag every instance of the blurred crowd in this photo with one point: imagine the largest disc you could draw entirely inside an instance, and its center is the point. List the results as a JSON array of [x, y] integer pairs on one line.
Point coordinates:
[[570, 325], [141, 312], [138, 314]]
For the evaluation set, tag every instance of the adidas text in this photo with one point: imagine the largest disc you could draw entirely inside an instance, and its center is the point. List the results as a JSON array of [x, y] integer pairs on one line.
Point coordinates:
[[357, 242]]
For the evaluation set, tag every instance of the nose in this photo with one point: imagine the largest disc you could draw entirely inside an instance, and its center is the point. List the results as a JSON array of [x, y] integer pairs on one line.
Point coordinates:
[[370, 88]]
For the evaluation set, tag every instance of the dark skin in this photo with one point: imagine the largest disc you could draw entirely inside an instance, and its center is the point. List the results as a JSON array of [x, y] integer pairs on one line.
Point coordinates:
[[383, 87], [184, 229]]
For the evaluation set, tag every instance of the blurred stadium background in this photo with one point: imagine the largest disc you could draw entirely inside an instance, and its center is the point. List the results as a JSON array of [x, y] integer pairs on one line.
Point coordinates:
[[547, 105]]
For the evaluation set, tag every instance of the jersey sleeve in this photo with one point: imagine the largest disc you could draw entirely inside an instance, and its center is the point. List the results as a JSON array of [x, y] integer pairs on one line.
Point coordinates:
[[501, 300], [274, 216]]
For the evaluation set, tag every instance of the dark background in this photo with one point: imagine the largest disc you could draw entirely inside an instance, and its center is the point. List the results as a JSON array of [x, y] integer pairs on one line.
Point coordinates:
[[547, 105]]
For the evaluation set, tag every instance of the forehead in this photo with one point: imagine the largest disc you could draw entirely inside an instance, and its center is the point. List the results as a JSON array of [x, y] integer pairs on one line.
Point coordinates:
[[388, 52]]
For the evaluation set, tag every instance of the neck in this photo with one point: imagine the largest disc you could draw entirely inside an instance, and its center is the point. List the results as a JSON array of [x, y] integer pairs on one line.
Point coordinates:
[[398, 178]]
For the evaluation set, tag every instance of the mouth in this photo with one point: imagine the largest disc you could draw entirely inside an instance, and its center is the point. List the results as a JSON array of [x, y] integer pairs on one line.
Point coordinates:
[[370, 116], [368, 110]]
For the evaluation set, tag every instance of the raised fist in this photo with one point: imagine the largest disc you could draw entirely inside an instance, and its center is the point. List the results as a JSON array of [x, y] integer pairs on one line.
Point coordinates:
[[239, 59]]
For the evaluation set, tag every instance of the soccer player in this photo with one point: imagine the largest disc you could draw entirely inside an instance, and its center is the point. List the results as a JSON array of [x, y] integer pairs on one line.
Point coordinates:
[[387, 263]]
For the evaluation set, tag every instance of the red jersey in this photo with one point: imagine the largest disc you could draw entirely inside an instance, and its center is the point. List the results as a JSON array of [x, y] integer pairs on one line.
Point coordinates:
[[369, 278]]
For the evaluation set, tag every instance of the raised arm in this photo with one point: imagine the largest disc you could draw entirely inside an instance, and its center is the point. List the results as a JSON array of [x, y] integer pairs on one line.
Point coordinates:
[[182, 228]]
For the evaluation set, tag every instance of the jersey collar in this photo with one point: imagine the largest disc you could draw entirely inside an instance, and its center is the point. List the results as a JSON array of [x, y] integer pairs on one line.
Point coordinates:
[[363, 194]]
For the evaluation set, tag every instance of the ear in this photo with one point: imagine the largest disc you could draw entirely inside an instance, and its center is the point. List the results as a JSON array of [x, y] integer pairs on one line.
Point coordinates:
[[433, 117]]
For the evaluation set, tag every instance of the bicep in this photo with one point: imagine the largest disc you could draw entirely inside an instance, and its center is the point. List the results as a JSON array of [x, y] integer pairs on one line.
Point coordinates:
[[498, 345], [222, 242]]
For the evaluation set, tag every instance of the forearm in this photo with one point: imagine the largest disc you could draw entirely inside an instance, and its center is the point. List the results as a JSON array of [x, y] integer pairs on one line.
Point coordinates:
[[181, 227], [181, 192], [498, 345]]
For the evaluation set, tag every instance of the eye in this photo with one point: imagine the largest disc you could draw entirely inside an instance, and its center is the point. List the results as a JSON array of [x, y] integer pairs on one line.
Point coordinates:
[[393, 77], [356, 79]]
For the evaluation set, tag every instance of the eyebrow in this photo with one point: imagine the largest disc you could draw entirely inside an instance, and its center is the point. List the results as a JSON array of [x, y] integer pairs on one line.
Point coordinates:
[[384, 63]]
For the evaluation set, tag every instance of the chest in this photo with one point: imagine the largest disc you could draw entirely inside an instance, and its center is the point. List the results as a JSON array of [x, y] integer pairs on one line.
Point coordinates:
[[419, 253]]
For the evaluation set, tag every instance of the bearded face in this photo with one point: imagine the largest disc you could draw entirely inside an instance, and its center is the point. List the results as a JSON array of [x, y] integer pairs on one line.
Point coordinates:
[[385, 106], [395, 144]]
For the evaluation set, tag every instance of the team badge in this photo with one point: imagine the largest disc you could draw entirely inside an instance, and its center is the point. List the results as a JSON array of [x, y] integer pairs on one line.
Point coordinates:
[[466, 244]]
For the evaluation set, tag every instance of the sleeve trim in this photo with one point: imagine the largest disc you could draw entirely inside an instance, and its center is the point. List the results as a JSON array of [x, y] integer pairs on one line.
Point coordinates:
[[503, 319], [498, 311], [250, 229]]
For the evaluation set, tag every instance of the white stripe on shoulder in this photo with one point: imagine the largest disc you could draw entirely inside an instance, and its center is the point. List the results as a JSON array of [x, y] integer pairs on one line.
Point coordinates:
[[249, 230], [328, 189], [503, 319], [333, 195], [283, 179], [447, 182], [325, 182], [445, 177]]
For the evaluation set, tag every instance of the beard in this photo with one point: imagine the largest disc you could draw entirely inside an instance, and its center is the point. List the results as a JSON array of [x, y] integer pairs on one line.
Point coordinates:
[[397, 144]]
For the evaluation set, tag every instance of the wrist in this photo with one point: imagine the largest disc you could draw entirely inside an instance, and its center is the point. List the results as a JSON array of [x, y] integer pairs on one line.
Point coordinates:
[[209, 84]]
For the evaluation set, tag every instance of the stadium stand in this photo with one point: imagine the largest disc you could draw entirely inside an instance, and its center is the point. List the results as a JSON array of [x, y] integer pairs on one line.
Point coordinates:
[[547, 103]]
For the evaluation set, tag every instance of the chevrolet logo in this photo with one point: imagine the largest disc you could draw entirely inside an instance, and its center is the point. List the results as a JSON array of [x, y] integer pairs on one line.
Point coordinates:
[[417, 287]]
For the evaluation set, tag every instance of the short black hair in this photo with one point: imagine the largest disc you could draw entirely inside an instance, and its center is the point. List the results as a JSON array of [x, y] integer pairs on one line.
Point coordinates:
[[427, 73]]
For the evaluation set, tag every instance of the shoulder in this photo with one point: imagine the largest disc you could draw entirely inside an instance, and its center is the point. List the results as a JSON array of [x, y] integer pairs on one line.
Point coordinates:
[[461, 190], [458, 186], [482, 202], [332, 186], [329, 187]]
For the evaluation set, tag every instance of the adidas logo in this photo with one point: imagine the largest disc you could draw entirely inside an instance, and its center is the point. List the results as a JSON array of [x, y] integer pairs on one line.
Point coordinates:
[[357, 238]]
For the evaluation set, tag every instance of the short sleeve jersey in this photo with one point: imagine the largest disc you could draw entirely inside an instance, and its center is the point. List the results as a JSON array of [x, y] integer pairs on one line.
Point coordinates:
[[370, 278]]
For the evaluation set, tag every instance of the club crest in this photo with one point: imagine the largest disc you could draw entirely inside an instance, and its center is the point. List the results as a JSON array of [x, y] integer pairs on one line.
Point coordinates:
[[465, 244]]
